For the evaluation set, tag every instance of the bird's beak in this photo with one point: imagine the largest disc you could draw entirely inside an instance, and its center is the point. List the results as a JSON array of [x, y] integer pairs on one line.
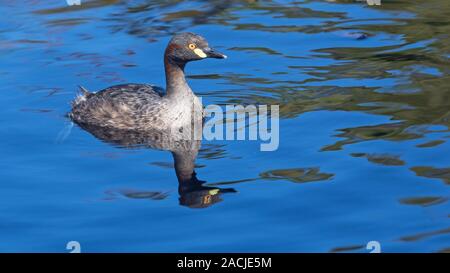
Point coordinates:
[[211, 53]]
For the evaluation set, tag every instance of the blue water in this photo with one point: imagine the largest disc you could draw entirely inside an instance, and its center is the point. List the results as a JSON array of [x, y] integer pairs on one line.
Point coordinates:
[[364, 129]]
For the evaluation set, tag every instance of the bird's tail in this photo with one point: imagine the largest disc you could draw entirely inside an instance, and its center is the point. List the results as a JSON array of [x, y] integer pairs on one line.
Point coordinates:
[[83, 90], [81, 96]]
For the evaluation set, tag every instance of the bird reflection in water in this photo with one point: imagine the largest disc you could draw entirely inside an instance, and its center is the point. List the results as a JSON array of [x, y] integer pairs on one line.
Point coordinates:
[[193, 193]]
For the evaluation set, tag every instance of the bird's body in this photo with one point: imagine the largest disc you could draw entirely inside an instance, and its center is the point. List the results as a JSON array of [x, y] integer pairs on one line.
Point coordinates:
[[134, 107], [146, 107]]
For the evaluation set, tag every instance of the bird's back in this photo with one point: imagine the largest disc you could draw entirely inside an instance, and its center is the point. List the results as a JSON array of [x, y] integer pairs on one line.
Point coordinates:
[[125, 106]]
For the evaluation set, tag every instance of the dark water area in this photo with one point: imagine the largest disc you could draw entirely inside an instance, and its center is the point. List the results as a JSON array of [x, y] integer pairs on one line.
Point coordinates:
[[363, 151]]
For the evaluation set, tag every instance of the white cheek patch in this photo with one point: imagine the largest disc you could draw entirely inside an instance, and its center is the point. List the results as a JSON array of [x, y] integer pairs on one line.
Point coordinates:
[[200, 53]]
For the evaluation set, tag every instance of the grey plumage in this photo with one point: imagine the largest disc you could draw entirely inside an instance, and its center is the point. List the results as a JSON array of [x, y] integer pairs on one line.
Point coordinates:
[[126, 106], [144, 106]]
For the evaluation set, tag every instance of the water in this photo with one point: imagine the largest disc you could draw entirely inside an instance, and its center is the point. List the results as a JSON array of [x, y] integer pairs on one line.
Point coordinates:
[[364, 130]]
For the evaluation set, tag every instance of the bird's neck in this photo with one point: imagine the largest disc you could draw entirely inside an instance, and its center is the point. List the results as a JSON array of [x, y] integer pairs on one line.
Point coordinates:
[[184, 162], [176, 84]]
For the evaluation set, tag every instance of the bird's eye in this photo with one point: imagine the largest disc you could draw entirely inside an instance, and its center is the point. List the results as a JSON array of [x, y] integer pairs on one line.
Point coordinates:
[[192, 46]]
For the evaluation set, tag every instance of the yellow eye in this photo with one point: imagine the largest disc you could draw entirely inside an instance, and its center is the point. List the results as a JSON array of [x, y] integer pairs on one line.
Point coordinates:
[[192, 46]]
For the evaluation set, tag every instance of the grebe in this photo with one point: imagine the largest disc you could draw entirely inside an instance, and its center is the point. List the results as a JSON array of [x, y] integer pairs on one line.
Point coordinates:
[[143, 106]]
